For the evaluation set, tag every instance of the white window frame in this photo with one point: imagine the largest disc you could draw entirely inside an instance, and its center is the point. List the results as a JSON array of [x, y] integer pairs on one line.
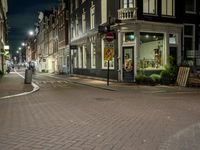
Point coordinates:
[[93, 55], [77, 26], [128, 3], [168, 9], [192, 12], [75, 59], [149, 8], [80, 56], [71, 6], [84, 56], [92, 16], [76, 4], [189, 36], [83, 21], [102, 58], [104, 11]]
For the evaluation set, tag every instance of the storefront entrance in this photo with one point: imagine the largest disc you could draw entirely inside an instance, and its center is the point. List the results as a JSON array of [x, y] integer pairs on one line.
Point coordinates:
[[128, 61]]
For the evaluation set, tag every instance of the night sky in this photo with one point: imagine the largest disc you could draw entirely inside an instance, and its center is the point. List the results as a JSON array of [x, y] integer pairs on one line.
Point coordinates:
[[22, 15]]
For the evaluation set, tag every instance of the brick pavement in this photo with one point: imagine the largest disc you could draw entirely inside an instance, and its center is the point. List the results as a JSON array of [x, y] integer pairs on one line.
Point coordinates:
[[86, 118], [76, 117], [12, 84]]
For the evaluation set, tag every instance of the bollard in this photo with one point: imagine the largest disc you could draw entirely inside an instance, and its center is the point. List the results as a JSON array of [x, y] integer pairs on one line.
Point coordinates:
[[28, 76]]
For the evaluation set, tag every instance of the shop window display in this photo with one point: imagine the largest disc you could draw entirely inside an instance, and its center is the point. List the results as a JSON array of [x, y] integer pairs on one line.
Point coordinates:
[[151, 51]]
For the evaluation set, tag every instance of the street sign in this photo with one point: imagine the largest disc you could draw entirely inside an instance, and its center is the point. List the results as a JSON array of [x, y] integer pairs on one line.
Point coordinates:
[[108, 51], [109, 37]]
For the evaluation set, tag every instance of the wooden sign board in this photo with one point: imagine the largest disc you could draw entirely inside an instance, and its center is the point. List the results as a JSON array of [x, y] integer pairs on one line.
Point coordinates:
[[183, 75]]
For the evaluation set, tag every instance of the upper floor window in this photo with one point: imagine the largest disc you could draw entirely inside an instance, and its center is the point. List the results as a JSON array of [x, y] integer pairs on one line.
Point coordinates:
[[127, 3], [168, 7], [103, 11], [189, 40], [190, 6], [77, 26], [76, 4], [71, 6], [83, 22], [92, 16], [150, 7]]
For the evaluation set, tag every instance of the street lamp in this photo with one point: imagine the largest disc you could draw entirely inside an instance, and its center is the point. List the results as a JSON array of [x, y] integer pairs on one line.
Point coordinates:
[[23, 44], [31, 33]]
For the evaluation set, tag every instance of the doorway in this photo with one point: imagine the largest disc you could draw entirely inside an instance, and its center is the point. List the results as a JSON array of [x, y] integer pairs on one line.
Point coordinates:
[[128, 61], [173, 53]]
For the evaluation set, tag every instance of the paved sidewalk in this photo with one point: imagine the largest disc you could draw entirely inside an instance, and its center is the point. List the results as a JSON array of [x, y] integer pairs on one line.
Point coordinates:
[[12, 84], [114, 85]]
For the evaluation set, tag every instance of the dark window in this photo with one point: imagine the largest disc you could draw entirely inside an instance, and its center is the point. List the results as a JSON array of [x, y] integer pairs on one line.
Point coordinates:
[[188, 43], [190, 5], [188, 30]]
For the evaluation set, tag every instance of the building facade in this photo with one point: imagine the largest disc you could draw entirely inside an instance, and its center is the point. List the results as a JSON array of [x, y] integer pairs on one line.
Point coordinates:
[[3, 32], [146, 34], [191, 33], [52, 40], [63, 47]]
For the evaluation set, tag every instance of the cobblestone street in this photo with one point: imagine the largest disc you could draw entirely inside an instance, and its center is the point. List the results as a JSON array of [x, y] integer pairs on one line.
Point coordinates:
[[78, 117]]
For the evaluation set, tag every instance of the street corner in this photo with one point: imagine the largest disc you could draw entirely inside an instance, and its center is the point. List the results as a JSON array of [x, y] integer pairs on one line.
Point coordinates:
[[12, 85]]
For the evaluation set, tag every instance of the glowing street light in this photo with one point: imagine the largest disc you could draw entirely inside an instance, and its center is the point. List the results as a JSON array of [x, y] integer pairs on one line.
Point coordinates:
[[31, 33], [23, 44], [19, 48]]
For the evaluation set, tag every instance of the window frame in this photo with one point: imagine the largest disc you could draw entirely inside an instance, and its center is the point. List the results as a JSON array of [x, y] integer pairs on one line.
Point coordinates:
[[173, 10], [84, 53], [93, 55], [92, 16], [80, 57], [76, 26], [189, 36], [195, 8], [128, 3], [104, 14], [149, 9], [83, 21]]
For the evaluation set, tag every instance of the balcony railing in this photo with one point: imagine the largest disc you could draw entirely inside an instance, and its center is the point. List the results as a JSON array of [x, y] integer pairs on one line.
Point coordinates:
[[127, 13]]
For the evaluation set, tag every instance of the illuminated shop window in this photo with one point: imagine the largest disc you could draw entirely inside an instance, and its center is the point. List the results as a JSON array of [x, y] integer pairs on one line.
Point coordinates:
[[151, 51]]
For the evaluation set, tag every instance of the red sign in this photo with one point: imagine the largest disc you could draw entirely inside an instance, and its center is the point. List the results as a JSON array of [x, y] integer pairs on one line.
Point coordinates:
[[109, 37]]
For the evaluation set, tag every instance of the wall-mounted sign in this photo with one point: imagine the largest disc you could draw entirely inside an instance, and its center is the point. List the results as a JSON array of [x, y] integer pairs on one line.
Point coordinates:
[[6, 47]]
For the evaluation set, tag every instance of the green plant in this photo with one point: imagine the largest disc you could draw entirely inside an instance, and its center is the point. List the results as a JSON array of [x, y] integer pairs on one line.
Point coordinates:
[[139, 78], [141, 67], [143, 79], [169, 74], [155, 77]]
